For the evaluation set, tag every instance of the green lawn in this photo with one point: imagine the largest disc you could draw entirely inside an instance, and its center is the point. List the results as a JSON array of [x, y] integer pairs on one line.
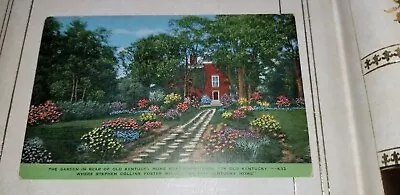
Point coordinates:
[[293, 123], [62, 138]]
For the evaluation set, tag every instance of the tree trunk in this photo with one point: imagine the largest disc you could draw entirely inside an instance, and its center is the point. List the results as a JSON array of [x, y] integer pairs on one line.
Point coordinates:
[[299, 81], [230, 80], [184, 77], [241, 91], [76, 90], [248, 91], [83, 94], [73, 88]]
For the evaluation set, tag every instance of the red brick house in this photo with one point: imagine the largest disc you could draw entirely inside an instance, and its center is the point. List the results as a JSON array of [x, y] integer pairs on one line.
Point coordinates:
[[216, 82], [215, 85]]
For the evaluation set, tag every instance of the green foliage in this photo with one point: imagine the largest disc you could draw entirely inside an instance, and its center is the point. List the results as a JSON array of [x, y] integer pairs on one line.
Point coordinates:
[[83, 110], [76, 64], [199, 78], [130, 90], [259, 150], [155, 59]]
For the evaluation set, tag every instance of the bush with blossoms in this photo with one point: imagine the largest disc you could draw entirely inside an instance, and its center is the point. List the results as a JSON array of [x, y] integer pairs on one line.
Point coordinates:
[[128, 135], [34, 152], [147, 116], [242, 101], [173, 114], [238, 113], [101, 144], [120, 124], [282, 101], [227, 114], [256, 96], [182, 107], [151, 125], [142, 103], [154, 108], [226, 100], [205, 99], [48, 112], [268, 125], [194, 102], [117, 106], [172, 98]]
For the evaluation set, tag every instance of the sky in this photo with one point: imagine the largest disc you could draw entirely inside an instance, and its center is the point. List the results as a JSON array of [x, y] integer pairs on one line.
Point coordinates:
[[126, 29]]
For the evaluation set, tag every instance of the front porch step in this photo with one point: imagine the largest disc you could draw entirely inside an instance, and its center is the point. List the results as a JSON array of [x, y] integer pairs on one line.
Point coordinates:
[[215, 103]]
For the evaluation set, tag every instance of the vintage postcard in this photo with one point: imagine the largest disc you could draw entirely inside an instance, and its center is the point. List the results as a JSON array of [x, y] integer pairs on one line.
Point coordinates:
[[164, 96]]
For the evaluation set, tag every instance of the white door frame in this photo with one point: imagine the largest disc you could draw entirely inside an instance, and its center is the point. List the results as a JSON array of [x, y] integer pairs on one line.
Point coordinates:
[[212, 94]]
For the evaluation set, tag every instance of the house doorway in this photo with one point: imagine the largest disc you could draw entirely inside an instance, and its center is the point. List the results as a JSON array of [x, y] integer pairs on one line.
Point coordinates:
[[215, 95]]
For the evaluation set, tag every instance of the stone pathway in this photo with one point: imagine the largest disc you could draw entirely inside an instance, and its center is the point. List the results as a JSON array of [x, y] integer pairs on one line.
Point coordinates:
[[179, 145]]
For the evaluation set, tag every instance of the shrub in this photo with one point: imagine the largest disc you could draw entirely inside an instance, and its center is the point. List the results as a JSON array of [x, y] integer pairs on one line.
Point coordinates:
[[226, 100], [101, 143], [172, 98], [142, 103], [265, 123], [205, 99], [282, 101], [172, 114], [151, 125], [117, 106], [147, 116], [156, 96], [126, 135], [242, 101], [238, 113], [194, 102], [154, 108], [34, 152], [256, 96], [227, 114], [44, 113], [120, 124], [259, 150], [83, 110], [182, 107]]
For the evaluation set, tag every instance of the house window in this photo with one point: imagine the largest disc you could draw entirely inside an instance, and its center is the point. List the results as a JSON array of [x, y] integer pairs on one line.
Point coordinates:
[[215, 81]]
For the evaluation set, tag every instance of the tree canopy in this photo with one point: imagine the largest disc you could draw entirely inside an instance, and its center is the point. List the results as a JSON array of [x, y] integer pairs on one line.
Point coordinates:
[[257, 52]]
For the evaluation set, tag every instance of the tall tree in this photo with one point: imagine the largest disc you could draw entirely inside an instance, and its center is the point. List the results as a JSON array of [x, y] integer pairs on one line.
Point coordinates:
[[190, 30], [88, 67], [49, 57], [156, 59]]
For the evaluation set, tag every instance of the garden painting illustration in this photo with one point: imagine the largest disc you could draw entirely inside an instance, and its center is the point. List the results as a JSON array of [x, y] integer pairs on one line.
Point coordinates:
[[168, 89]]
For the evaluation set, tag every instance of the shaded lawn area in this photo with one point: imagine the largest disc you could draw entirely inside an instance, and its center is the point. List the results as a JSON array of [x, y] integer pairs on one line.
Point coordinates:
[[292, 122], [62, 138]]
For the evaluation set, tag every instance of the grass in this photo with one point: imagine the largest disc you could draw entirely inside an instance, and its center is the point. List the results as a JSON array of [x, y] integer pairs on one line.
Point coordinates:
[[63, 138], [293, 123]]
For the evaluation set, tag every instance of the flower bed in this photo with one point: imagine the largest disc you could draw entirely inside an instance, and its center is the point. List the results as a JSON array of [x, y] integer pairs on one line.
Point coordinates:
[[34, 152], [237, 145], [101, 144], [48, 112]]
